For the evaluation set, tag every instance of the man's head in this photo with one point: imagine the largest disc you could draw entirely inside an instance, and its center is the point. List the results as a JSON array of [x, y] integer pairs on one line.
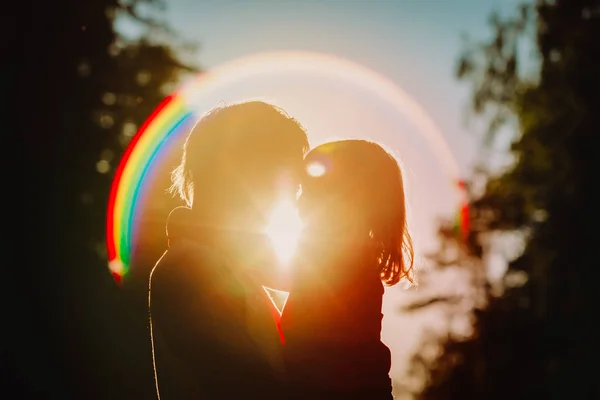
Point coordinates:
[[238, 160]]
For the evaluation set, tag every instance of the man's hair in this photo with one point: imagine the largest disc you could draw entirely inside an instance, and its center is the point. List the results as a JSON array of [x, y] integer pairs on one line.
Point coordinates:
[[244, 142]]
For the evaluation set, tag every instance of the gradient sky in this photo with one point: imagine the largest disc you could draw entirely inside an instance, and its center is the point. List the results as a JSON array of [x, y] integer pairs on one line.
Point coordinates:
[[415, 43]]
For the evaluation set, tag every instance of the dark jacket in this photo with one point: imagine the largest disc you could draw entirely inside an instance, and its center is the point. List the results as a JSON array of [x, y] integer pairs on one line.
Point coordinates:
[[211, 330], [332, 328]]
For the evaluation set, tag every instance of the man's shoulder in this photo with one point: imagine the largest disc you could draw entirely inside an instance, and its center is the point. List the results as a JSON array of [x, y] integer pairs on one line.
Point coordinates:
[[185, 260]]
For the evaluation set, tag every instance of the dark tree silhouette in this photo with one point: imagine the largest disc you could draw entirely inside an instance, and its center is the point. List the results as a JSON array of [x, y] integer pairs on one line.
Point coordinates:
[[85, 89], [539, 339]]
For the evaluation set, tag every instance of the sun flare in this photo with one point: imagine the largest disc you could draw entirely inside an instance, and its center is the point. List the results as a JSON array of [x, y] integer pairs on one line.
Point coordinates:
[[316, 169], [278, 298], [284, 230]]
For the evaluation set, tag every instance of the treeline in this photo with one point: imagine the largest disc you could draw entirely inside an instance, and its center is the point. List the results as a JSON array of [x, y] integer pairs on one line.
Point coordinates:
[[537, 338]]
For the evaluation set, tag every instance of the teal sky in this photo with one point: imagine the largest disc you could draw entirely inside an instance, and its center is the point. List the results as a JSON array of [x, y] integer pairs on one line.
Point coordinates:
[[413, 42]]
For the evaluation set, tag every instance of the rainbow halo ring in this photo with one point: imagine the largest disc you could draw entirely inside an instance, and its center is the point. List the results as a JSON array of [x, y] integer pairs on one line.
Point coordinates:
[[178, 112]]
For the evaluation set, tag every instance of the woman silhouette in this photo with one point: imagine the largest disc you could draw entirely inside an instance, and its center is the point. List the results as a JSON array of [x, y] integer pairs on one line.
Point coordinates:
[[212, 331], [355, 241]]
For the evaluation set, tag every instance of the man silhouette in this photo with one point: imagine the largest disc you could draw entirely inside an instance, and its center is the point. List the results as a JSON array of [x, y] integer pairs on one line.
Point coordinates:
[[213, 334]]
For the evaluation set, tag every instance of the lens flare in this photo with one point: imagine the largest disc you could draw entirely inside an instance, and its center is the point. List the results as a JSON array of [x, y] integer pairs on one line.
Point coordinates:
[[315, 169], [278, 298], [284, 230]]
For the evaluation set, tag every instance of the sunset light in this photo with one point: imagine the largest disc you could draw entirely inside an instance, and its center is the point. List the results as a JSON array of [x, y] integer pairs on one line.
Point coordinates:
[[284, 230], [315, 169]]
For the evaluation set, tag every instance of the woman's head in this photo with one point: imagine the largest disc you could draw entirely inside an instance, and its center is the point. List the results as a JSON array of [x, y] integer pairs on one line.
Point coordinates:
[[354, 189], [238, 160]]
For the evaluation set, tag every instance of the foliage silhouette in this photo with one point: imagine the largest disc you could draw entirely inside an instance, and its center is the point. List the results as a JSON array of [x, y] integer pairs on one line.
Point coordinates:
[[86, 89], [538, 339]]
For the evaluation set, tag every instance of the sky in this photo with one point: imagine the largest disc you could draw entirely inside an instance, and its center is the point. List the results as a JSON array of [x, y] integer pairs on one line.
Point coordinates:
[[412, 43]]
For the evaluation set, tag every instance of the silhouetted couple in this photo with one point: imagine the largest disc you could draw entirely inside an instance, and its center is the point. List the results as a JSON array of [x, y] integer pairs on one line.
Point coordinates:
[[214, 332]]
